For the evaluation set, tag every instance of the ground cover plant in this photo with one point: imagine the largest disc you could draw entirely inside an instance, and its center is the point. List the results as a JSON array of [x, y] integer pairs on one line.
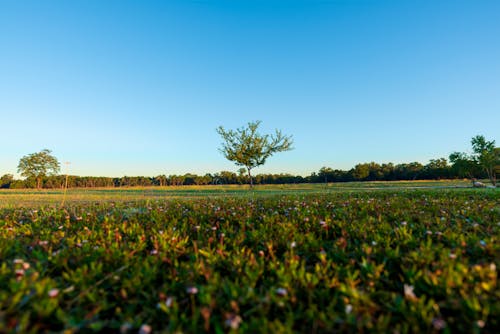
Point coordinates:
[[382, 260]]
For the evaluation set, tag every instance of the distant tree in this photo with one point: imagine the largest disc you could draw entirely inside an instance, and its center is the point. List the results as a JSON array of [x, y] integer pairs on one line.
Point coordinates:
[[436, 169], [38, 165], [464, 165], [487, 156], [246, 147], [6, 180], [361, 171]]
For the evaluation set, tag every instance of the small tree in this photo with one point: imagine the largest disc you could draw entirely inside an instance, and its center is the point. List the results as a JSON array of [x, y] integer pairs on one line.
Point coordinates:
[[487, 156], [38, 165], [248, 148], [6, 180]]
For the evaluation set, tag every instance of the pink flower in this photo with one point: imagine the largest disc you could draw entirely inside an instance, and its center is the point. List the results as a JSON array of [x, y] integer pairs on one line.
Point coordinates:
[[192, 290], [233, 321], [145, 329], [53, 293]]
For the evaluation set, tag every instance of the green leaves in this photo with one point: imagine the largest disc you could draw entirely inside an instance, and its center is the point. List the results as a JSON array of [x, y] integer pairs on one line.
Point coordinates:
[[372, 261]]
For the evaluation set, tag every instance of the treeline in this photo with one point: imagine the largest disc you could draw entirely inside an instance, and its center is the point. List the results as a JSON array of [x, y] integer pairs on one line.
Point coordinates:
[[436, 169]]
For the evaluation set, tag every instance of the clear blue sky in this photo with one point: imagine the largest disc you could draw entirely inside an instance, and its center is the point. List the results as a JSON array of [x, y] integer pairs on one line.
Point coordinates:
[[138, 87]]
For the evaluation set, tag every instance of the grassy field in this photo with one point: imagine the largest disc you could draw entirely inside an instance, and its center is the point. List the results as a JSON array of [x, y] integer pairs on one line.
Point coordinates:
[[27, 197], [372, 257]]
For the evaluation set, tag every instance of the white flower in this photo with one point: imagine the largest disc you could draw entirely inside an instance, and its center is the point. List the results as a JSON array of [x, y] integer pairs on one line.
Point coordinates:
[[408, 291], [293, 244], [281, 292], [348, 308]]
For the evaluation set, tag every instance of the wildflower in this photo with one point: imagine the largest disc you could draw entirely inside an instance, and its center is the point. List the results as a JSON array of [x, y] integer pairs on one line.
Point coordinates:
[[169, 301], [404, 223], [438, 323], [145, 329], [322, 223], [480, 323], [19, 273], [154, 252], [374, 243], [26, 265], [453, 256], [53, 293], [482, 243], [214, 228], [18, 261], [348, 308], [197, 227], [428, 232], [192, 290], [293, 244], [43, 242], [281, 292], [408, 291], [233, 321], [125, 328]]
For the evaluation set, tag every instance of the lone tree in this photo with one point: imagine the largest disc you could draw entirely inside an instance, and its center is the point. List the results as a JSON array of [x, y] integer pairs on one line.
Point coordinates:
[[38, 165], [248, 148]]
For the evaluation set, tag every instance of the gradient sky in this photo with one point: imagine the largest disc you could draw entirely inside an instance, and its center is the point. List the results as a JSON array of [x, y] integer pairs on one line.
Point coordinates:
[[122, 87]]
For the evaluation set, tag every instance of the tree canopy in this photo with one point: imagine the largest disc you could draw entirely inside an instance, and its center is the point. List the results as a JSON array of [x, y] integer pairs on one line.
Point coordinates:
[[38, 165], [247, 147]]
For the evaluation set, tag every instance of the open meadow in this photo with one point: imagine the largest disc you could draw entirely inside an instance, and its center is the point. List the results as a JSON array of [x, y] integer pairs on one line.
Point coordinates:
[[384, 257]]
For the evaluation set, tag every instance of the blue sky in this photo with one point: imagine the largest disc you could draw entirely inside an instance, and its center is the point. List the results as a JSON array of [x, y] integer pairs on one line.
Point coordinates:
[[121, 87]]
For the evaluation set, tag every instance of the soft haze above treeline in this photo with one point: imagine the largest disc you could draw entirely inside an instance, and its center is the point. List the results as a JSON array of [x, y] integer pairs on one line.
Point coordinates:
[[436, 169]]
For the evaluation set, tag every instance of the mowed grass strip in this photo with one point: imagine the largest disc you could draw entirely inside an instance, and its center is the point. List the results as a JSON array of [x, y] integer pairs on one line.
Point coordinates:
[[343, 261]]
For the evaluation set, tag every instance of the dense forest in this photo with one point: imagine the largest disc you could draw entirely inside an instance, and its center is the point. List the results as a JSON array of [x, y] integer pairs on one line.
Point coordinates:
[[436, 169]]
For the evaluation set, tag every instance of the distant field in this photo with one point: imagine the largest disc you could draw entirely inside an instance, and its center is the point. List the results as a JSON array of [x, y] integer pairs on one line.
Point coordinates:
[[398, 257], [11, 197]]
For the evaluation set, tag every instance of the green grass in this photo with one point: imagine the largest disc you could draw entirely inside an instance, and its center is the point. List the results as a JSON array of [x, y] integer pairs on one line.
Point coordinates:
[[290, 259], [28, 197]]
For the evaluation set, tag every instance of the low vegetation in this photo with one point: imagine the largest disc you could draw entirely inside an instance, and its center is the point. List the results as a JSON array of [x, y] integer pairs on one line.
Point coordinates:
[[380, 260]]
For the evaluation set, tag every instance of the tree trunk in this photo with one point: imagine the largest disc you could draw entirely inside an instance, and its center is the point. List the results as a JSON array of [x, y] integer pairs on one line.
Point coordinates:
[[38, 183], [250, 177]]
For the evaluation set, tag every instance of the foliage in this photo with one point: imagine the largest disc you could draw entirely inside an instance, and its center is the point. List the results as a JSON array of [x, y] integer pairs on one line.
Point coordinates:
[[38, 165], [246, 147], [366, 261], [6, 180], [486, 155]]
